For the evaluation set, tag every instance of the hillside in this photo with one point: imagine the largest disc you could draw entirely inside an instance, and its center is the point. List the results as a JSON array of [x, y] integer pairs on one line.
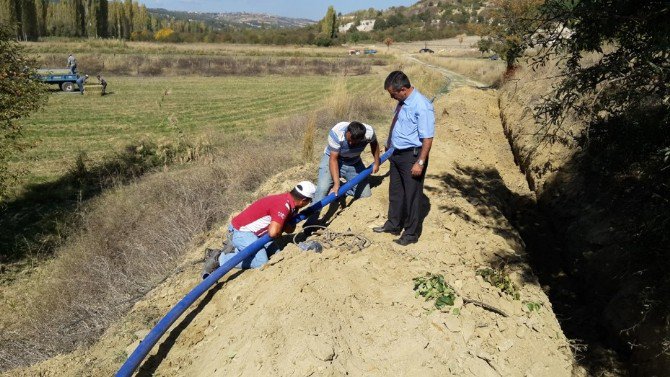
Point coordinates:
[[348, 312], [219, 21]]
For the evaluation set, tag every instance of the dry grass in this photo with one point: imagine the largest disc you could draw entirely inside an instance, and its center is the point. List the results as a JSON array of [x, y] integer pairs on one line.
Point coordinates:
[[483, 70], [122, 58], [339, 101], [308, 139], [428, 81], [113, 46], [181, 65], [455, 47], [131, 237]]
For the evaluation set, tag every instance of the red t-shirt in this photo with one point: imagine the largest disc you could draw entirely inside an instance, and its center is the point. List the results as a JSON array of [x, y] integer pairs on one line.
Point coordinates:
[[257, 217]]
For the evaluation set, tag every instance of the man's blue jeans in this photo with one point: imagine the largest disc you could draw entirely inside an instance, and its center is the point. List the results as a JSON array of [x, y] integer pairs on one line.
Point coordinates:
[[325, 182], [241, 240]]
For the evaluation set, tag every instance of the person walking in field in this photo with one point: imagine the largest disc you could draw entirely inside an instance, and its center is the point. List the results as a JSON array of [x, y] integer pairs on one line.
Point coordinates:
[[81, 81], [411, 136], [72, 64], [269, 215], [102, 82], [342, 159]]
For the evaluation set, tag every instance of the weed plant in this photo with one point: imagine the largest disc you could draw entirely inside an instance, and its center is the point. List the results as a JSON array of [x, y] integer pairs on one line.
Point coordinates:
[[499, 279]]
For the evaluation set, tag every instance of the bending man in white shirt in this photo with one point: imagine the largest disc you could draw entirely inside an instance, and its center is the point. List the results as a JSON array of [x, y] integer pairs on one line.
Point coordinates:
[[342, 159]]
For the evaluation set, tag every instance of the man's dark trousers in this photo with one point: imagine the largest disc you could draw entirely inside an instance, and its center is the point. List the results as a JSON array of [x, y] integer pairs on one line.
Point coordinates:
[[405, 193]]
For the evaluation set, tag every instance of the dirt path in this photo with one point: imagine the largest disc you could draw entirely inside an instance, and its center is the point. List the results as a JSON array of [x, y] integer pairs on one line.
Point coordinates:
[[346, 312], [454, 80]]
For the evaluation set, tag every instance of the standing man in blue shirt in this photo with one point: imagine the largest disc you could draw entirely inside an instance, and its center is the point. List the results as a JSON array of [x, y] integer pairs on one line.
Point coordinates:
[[342, 158], [411, 136], [72, 64]]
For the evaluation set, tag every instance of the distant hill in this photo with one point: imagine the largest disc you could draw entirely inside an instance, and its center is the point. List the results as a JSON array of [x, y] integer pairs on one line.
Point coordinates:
[[259, 20], [218, 21], [422, 14]]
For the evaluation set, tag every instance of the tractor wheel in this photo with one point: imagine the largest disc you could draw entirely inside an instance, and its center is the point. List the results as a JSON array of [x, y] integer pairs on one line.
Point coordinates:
[[67, 86]]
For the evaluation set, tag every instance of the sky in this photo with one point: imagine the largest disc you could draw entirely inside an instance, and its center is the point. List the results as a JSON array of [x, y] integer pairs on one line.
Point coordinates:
[[311, 9]]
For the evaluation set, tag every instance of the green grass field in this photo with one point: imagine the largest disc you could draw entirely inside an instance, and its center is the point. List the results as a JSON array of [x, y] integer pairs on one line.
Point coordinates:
[[160, 109]]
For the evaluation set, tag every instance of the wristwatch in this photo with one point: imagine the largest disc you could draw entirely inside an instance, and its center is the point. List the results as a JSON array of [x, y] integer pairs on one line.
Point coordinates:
[[420, 162]]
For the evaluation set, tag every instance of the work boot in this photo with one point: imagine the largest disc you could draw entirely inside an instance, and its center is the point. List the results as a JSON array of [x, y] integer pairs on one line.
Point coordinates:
[[228, 248], [211, 262]]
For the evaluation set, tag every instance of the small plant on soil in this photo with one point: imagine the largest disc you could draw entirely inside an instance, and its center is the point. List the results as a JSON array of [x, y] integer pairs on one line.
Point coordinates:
[[433, 287], [120, 356], [499, 279], [533, 306]]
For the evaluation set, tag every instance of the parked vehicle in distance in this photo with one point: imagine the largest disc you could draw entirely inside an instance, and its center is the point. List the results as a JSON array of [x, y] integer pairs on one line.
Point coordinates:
[[59, 76], [494, 57], [369, 51], [427, 50]]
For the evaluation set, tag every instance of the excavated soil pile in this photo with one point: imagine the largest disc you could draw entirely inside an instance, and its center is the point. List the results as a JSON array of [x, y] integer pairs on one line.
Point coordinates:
[[355, 312]]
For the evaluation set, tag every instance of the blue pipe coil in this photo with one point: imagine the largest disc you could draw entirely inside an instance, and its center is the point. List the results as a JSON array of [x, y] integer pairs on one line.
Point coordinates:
[[142, 350]]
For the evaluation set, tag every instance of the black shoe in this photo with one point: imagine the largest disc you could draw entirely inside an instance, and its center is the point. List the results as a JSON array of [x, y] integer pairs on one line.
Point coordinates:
[[404, 241], [383, 229]]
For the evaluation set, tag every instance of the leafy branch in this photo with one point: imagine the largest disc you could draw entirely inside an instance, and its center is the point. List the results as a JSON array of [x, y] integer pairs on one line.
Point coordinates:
[[433, 287]]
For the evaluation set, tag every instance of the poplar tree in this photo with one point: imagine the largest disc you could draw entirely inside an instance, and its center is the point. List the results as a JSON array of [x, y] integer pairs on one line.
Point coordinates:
[[128, 18], [42, 10], [29, 30], [329, 23], [68, 18], [102, 23], [80, 18], [92, 7]]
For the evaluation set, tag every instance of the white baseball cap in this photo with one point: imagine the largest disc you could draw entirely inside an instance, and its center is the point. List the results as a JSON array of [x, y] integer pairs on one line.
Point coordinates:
[[306, 189]]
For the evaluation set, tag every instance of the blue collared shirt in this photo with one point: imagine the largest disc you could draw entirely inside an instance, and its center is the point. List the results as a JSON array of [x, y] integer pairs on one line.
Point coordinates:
[[416, 121]]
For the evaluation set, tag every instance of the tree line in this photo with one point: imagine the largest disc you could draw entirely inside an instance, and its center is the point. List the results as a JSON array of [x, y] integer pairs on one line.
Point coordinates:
[[29, 20], [126, 19]]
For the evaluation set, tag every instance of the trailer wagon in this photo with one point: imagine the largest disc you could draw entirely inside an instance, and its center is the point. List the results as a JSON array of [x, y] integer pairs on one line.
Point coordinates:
[[61, 77]]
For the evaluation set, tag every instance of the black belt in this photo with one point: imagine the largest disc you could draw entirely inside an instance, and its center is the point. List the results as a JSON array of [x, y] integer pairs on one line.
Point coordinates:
[[414, 150]]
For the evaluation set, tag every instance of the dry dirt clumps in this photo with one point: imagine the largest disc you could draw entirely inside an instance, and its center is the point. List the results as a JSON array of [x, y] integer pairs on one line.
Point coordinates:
[[542, 151], [355, 312]]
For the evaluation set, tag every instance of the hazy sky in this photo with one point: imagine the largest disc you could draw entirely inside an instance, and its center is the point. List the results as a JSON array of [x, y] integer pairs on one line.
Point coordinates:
[[312, 9]]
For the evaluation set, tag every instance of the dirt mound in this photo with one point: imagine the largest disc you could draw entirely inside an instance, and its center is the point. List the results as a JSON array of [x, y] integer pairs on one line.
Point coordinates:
[[355, 312]]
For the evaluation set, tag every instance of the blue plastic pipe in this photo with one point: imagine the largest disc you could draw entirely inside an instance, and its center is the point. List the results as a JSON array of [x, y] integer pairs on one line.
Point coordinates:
[[142, 350]]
